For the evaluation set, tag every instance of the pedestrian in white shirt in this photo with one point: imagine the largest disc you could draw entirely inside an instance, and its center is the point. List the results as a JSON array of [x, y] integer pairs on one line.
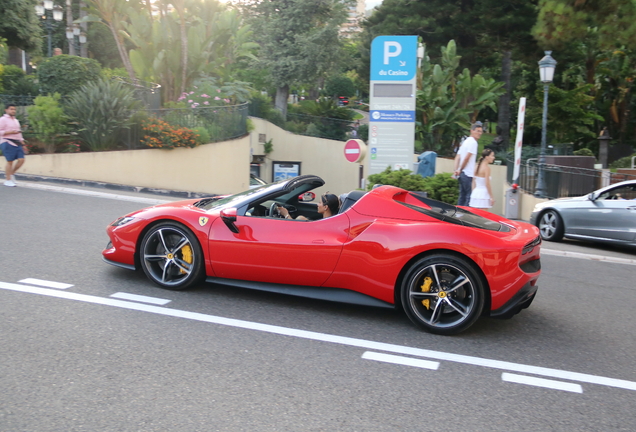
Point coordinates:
[[465, 163]]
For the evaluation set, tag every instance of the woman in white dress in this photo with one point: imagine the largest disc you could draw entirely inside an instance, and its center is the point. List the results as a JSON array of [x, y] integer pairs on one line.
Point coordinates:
[[481, 196]]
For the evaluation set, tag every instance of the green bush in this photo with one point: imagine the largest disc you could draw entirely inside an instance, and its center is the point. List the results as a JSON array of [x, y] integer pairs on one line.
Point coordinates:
[[441, 187], [47, 119], [102, 111], [64, 73], [401, 178], [204, 135], [13, 81], [625, 162], [114, 72], [583, 152], [261, 106]]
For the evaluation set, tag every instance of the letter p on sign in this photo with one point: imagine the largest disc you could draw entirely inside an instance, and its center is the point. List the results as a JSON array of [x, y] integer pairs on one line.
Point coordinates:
[[387, 50]]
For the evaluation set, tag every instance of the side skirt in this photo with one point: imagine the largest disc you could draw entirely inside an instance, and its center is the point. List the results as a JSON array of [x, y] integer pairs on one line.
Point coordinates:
[[319, 293], [116, 264]]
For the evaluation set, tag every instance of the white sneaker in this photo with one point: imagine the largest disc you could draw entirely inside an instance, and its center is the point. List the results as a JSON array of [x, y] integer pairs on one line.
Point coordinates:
[[9, 183], [13, 179]]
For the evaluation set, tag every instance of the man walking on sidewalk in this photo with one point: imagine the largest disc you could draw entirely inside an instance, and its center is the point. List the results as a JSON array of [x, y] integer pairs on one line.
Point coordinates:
[[12, 144], [465, 163]]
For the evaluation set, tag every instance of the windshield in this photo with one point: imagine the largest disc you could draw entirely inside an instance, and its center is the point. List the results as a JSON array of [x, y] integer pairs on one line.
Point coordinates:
[[232, 200]]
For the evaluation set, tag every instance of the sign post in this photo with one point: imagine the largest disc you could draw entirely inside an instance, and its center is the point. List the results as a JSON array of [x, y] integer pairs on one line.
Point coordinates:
[[392, 103], [519, 138]]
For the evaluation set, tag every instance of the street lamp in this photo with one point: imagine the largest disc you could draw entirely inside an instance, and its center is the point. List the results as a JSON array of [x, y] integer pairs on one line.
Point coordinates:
[[75, 36], [547, 65], [51, 13]]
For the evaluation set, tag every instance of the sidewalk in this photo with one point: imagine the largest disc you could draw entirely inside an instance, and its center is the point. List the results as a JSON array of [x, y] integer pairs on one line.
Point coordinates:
[[114, 187]]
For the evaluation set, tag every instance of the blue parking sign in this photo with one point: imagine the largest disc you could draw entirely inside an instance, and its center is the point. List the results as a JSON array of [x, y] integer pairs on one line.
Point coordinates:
[[393, 58]]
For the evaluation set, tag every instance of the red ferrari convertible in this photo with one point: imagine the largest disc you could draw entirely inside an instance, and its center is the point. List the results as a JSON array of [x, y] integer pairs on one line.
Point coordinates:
[[444, 265]]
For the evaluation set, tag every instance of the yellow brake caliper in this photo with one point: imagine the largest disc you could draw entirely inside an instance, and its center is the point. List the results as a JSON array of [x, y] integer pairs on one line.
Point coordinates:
[[186, 254], [426, 287]]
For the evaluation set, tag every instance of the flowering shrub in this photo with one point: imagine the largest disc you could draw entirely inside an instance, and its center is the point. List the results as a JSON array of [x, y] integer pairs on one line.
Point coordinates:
[[72, 146], [206, 93], [199, 98], [159, 134], [33, 148]]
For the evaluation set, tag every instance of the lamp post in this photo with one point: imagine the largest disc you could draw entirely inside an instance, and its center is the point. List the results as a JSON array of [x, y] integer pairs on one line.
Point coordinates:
[[547, 65], [47, 11], [76, 37]]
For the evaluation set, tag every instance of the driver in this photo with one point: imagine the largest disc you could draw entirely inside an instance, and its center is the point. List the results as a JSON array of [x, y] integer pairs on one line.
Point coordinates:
[[327, 207]]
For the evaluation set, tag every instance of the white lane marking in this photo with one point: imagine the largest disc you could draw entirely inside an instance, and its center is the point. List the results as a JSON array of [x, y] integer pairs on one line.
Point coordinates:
[[140, 298], [143, 299], [540, 382], [45, 283], [82, 192], [590, 257], [406, 361], [342, 340]]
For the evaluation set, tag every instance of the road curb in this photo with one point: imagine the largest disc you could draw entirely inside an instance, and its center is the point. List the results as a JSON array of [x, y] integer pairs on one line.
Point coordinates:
[[111, 186], [590, 257]]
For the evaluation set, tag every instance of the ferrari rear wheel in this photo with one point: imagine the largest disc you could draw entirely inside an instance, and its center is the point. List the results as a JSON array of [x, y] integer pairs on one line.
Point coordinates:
[[442, 294], [551, 226], [171, 256]]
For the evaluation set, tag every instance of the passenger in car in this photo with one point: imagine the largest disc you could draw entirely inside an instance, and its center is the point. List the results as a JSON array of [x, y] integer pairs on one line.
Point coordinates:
[[327, 207]]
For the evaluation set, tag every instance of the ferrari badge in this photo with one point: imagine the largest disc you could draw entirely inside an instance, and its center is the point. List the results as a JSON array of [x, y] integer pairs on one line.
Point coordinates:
[[203, 221]]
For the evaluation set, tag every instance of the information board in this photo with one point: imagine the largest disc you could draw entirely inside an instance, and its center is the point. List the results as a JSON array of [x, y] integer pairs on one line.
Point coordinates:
[[392, 103]]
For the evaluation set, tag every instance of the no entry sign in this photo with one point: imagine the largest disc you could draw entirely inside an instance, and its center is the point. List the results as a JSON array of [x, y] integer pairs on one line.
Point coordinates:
[[355, 150]]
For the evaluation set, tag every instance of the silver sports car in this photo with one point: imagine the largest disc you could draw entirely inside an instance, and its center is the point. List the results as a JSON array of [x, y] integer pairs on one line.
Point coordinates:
[[606, 215]]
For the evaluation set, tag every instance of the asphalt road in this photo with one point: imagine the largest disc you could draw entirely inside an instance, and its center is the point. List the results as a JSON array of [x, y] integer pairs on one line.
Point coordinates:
[[86, 356]]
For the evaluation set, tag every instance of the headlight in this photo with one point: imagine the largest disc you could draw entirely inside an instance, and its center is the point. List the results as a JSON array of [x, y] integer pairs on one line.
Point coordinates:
[[122, 221], [540, 206]]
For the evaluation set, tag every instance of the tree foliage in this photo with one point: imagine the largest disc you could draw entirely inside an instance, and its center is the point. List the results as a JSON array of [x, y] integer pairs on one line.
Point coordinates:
[[216, 39], [570, 117], [19, 25], [448, 100], [482, 29], [563, 21], [299, 40], [340, 85]]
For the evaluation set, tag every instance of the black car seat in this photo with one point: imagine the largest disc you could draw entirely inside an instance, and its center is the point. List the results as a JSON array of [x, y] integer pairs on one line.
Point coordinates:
[[347, 200]]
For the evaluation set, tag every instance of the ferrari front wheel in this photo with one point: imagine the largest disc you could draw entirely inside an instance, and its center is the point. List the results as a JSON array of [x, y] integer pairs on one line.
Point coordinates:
[[171, 256], [442, 294]]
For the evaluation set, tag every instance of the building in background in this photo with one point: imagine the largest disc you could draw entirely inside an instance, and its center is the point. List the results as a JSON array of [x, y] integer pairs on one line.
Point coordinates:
[[355, 15]]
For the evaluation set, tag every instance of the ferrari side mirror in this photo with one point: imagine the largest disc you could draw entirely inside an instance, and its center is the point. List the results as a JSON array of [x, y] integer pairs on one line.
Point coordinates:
[[307, 197], [229, 217]]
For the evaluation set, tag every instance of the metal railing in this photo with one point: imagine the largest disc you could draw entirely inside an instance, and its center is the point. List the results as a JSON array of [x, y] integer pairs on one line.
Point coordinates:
[[221, 123], [564, 181], [147, 92], [320, 127], [21, 103]]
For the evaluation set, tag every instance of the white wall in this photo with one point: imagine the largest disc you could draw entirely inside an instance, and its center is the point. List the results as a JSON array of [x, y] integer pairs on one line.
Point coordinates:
[[322, 157]]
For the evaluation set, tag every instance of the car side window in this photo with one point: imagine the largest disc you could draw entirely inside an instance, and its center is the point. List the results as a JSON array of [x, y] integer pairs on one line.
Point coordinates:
[[621, 193]]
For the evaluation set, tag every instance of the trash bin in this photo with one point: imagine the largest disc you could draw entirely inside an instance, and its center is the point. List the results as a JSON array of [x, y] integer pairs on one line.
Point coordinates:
[[511, 207], [426, 165]]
